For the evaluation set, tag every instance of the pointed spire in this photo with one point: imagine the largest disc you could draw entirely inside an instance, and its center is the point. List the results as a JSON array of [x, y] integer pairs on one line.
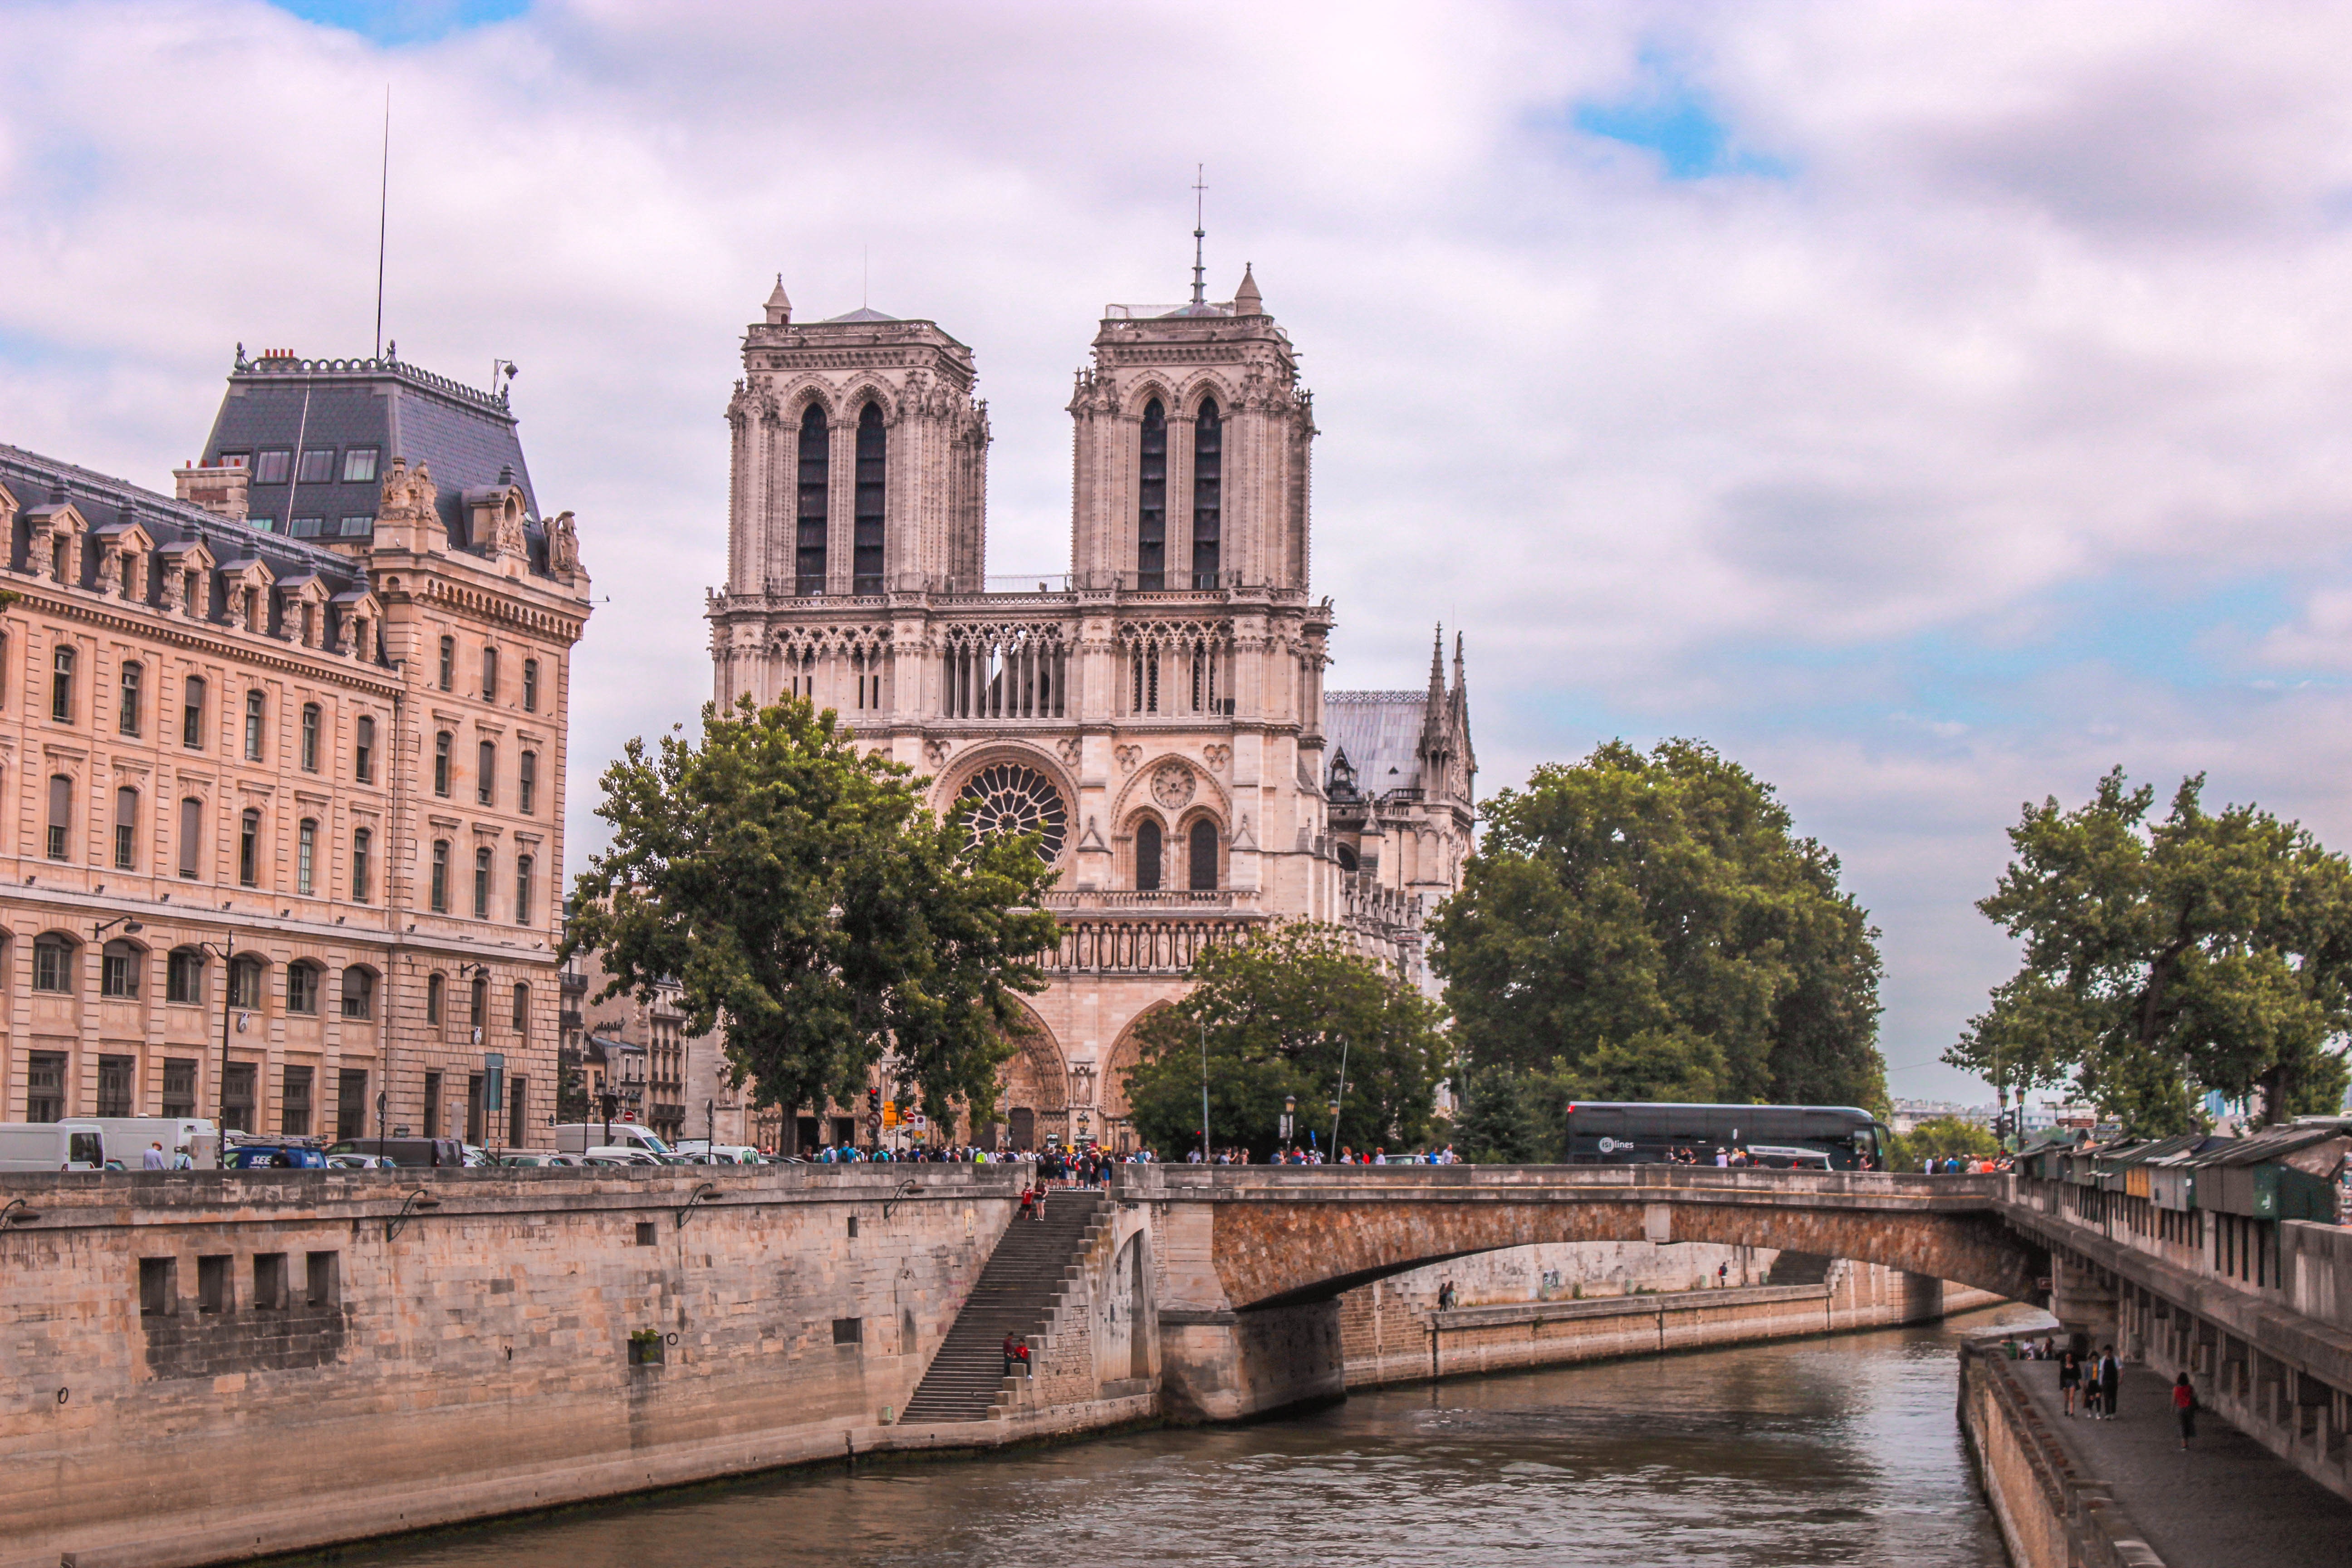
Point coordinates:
[[780, 304], [1200, 233], [1247, 300], [1461, 684], [1432, 728]]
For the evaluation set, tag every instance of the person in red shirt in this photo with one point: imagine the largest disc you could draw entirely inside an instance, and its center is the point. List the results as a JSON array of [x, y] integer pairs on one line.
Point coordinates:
[[2184, 1404]]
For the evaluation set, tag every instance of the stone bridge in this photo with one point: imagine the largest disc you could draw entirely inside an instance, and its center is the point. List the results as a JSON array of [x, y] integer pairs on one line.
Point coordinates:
[[1250, 1260]]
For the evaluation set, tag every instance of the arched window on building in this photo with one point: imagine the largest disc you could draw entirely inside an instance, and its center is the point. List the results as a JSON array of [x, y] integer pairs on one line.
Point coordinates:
[[61, 686], [1202, 855], [1208, 493], [246, 976], [482, 883], [1151, 501], [362, 844], [526, 782], [531, 686], [522, 889], [183, 976], [440, 889], [522, 1017], [55, 959], [1148, 855], [486, 774], [359, 992], [127, 706], [306, 858], [310, 737], [302, 988], [436, 987], [248, 849], [363, 751], [441, 744], [447, 672], [489, 674], [126, 829], [478, 1001], [117, 970], [253, 707], [192, 713], [872, 454], [811, 510]]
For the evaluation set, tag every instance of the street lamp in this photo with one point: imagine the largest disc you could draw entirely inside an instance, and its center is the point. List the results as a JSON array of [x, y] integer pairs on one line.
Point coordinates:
[[1290, 1111], [227, 956]]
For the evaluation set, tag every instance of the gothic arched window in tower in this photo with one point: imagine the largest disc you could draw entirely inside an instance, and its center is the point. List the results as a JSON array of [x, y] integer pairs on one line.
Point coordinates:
[[1208, 511], [1006, 797], [816, 468], [1146, 857], [1151, 501], [1203, 856], [873, 449]]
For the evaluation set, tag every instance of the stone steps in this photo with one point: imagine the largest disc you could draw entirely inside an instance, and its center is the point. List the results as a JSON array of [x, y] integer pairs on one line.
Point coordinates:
[[1032, 1268]]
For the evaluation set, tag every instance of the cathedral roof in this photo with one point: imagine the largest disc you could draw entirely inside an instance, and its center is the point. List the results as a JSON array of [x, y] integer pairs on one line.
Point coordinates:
[[1380, 733], [863, 313]]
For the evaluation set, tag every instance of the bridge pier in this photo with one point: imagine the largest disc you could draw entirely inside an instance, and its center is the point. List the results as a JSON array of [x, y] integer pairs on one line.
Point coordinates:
[[1229, 1366], [2082, 1299]]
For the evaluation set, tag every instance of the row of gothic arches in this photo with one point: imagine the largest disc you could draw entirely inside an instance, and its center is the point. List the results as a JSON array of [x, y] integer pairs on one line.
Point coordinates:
[[1046, 1096]]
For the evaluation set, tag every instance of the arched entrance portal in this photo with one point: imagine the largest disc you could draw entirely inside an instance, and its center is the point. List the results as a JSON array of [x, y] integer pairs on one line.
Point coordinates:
[[1118, 1133], [1033, 1099]]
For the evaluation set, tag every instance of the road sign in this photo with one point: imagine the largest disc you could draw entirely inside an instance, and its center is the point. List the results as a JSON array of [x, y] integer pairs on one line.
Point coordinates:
[[889, 1116]]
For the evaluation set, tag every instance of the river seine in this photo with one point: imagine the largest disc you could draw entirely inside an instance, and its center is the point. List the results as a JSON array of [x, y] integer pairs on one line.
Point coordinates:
[[1823, 1451]]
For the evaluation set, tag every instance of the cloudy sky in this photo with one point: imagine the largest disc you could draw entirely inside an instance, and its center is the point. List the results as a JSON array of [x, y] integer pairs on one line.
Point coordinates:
[[1930, 406]]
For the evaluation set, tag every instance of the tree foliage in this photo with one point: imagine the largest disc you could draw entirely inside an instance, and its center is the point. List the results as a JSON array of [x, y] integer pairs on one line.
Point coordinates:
[[1278, 1013], [1649, 927], [799, 891], [1505, 1120], [2204, 952], [1940, 1137]]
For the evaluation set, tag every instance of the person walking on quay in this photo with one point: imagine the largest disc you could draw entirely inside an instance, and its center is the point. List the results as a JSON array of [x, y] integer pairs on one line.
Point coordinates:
[[2070, 1376], [2184, 1404], [2111, 1377], [2092, 1393], [153, 1159]]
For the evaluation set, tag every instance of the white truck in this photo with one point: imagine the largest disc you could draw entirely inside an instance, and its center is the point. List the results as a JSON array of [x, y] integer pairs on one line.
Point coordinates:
[[582, 1137], [128, 1138], [75, 1145]]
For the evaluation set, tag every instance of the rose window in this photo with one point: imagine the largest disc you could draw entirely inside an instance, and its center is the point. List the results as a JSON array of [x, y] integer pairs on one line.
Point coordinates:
[[1006, 797]]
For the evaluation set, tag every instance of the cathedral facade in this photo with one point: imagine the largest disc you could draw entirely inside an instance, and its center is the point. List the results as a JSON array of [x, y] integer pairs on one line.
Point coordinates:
[[1158, 716]]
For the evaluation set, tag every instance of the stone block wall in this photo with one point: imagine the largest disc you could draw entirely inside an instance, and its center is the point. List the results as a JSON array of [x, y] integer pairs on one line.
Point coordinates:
[[211, 1365]]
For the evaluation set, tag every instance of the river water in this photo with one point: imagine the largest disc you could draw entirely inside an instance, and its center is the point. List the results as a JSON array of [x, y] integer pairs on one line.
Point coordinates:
[[1823, 1451]]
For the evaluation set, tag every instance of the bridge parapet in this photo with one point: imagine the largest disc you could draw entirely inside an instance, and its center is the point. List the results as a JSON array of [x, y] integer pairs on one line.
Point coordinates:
[[1519, 1184]]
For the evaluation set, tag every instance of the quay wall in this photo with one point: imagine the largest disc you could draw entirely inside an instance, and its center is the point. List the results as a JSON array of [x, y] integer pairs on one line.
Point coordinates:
[[205, 1366], [2050, 1514], [1391, 1330]]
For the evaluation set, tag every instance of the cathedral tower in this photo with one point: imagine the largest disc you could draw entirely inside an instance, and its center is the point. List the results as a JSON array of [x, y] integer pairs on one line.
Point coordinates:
[[1191, 450], [860, 459]]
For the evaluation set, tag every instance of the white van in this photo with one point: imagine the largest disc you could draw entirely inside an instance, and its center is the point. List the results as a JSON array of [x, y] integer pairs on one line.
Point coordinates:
[[580, 1137], [719, 1153], [51, 1146], [126, 1138]]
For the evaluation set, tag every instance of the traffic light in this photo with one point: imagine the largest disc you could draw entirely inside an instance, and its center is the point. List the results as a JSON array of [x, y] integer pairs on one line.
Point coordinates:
[[873, 1102]]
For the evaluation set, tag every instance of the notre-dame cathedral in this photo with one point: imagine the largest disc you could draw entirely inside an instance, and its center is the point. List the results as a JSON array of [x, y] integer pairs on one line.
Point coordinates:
[[1158, 716]]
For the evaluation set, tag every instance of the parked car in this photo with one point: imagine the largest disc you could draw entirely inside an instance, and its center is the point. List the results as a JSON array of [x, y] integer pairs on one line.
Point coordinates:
[[358, 1162], [718, 1153], [539, 1158], [410, 1153], [275, 1157], [614, 1154]]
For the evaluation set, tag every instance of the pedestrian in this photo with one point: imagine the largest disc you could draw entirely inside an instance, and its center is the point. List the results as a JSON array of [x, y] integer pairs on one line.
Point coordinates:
[[2184, 1404], [1038, 1213], [2092, 1393], [1722, 1275], [1015, 1354], [2111, 1377], [2070, 1376], [153, 1159]]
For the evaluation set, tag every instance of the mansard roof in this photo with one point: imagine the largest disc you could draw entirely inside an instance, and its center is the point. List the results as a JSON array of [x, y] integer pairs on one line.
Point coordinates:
[[108, 503], [464, 436]]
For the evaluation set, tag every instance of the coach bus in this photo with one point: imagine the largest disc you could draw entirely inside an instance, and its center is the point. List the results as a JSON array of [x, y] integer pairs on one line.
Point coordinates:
[[1817, 1137]]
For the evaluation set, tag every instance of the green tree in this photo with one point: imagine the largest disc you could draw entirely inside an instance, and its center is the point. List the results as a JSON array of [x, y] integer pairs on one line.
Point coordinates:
[[1940, 1137], [1278, 1013], [1649, 927], [798, 890], [2204, 952], [571, 1103], [1504, 1119]]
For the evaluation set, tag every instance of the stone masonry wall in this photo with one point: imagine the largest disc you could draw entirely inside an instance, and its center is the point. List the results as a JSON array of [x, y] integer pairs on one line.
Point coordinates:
[[370, 1374]]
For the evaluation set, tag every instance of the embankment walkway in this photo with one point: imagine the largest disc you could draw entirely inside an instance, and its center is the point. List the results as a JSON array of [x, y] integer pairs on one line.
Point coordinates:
[[2227, 1503]]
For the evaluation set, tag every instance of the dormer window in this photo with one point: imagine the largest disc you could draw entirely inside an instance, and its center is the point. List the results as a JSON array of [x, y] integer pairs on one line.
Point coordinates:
[[358, 466], [271, 466], [306, 527], [319, 466]]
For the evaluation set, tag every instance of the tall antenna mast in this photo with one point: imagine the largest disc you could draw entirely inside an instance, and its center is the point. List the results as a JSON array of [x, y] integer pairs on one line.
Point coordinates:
[[383, 214], [1199, 287]]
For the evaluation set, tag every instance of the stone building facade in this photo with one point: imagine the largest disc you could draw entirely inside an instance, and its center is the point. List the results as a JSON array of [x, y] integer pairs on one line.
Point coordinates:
[[1157, 715], [281, 769]]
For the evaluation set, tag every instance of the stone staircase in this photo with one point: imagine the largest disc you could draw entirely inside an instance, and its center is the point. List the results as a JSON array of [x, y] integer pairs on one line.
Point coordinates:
[[1033, 1265]]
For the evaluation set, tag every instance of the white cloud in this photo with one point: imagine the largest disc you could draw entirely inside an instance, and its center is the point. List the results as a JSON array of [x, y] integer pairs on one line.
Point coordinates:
[[1823, 467]]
